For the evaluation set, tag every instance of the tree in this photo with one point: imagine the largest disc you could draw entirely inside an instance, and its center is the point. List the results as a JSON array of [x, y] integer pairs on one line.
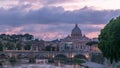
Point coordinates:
[[10, 46], [109, 40], [28, 36], [91, 43], [19, 45], [49, 48], [1, 46], [27, 47]]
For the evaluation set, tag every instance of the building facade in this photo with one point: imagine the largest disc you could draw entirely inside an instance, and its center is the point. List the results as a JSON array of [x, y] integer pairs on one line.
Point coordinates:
[[77, 41]]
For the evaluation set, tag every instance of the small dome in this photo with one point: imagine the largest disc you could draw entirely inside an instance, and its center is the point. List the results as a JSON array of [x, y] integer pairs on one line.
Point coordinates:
[[67, 39]]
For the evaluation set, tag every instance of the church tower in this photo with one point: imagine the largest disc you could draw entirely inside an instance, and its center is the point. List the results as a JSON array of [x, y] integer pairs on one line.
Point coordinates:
[[76, 32]]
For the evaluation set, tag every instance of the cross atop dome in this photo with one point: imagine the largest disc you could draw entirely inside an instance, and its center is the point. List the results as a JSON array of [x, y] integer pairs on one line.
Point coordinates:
[[76, 25]]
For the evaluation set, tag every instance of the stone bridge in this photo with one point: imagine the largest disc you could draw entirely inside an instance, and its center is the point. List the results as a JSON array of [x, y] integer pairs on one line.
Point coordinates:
[[47, 54]]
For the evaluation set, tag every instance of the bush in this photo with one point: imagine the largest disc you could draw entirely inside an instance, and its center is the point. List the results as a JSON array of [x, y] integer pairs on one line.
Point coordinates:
[[79, 61], [12, 59]]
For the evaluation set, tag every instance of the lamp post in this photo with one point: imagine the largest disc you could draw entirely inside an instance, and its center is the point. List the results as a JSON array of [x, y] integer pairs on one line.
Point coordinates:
[[87, 55], [70, 48]]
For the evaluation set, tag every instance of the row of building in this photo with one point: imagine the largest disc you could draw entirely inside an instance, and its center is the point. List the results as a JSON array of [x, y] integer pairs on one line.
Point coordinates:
[[74, 42]]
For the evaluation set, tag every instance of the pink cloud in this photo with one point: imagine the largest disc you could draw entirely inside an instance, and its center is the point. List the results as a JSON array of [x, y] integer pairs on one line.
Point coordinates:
[[98, 26], [93, 34], [50, 31]]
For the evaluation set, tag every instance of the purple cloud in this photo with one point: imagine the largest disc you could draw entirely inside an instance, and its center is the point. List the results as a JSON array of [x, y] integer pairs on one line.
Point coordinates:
[[57, 21], [55, 15]]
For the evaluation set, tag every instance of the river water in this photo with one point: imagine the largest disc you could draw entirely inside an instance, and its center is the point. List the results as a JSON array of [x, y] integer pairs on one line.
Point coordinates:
[[42, 64]]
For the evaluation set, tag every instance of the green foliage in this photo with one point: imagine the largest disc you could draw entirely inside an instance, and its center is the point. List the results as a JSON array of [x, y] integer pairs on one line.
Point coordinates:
[[10, 46], [15, 38], [50, 48], [79, 61], [28, 36], [27, 47], [19, 46], [32, 60], [109, 40], [14, 41], [12, 59], [91, 43], [1, 46], [86, 67]]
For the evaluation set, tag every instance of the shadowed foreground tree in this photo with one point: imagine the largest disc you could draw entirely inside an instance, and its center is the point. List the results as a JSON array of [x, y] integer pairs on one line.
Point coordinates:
[[109, 40], [1, 46]]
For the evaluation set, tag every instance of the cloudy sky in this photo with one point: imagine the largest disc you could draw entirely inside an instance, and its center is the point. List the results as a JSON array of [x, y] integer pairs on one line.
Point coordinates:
[[52, 19]]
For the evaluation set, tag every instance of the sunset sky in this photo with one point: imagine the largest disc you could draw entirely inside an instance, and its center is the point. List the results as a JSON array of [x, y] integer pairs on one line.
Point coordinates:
[[52, 19]]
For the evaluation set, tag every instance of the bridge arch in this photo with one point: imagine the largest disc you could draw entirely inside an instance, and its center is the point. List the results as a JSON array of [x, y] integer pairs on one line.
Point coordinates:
[[3, 55], [60, 57], [41, 56], [80, 56]]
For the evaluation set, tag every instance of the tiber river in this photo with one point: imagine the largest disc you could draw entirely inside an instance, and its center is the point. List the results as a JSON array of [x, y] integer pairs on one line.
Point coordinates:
[[42, 64]]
